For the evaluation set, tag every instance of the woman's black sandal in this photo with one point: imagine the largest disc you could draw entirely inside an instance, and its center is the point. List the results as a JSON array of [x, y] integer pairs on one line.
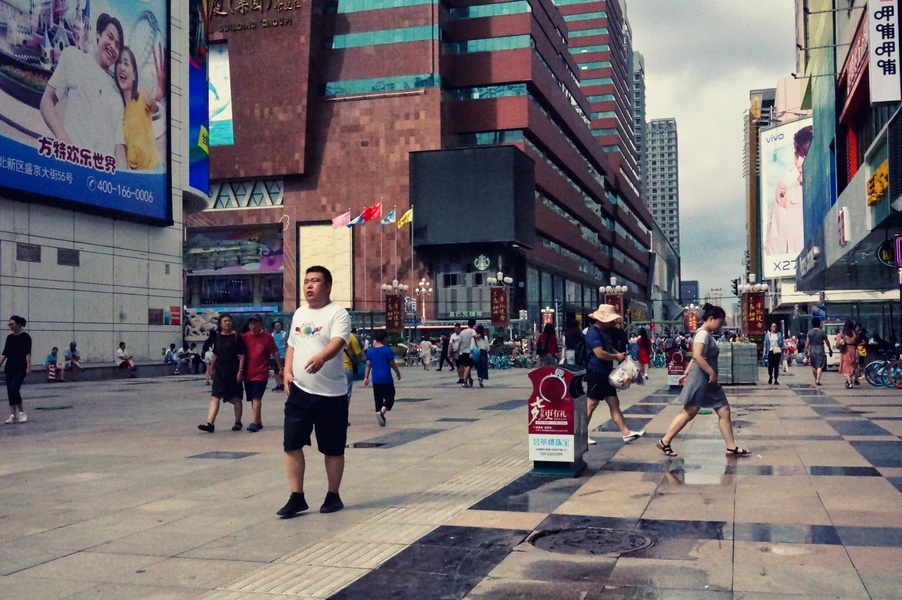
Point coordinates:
[[737, 451], [666, 449]]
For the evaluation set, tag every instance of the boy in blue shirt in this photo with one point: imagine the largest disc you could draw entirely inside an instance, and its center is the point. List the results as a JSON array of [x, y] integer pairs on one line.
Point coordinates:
[[380, 361]]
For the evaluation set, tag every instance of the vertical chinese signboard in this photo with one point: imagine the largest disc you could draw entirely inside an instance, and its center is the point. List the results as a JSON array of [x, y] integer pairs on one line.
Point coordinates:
[[615, 300], [753, 314], [690, 319], [394, 313], [884, 51], [500, 315]]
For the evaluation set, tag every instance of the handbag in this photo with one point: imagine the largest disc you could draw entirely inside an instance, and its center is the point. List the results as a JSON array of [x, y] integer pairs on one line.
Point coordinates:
[[839, 341], [475, 352], [862, 350]]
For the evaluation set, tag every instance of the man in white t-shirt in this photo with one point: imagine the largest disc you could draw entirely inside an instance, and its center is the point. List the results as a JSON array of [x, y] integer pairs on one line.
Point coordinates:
[[317, 390], [465, 364], [454, 352], [82, 105]]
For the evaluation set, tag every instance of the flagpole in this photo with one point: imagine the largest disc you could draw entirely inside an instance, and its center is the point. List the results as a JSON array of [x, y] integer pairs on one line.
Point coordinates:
[[411, 248], [396, 253]]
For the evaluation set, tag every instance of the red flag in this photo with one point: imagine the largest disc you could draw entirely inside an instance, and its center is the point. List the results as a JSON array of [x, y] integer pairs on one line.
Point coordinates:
[[373, 212]]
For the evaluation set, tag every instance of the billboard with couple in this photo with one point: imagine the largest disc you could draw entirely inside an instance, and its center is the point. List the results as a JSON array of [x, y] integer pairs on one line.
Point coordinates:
[[84, 121]]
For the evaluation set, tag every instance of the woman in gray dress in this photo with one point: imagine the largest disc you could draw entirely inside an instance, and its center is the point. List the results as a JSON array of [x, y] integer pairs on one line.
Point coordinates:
[[700, 386], [815, 343]]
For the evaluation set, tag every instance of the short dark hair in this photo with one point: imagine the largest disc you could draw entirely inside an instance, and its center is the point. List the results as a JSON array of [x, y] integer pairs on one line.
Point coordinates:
[[471, 322], [105, 20], [380, 335], [815, 322], [327, 274], [709, 311]]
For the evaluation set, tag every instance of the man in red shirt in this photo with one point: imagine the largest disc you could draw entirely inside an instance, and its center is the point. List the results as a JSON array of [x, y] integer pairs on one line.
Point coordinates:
[[260, 346]]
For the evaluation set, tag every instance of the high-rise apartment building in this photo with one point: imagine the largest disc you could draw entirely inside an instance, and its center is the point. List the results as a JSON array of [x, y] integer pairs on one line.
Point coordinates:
[[663, 190], [640, 125], [476, 117], [600, 40]]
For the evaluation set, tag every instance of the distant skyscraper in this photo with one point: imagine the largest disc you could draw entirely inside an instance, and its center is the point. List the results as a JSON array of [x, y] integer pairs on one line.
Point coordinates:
[[689, 292], [663, 181], [640, 125]]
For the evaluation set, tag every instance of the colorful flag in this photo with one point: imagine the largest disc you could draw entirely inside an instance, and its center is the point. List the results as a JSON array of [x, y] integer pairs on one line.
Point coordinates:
[[406, 218], [341, 220], [389, 218], [355, 221], [373, 212]]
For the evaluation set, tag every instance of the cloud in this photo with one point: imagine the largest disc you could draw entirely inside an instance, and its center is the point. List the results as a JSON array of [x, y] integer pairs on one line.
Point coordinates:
[[702, 57]]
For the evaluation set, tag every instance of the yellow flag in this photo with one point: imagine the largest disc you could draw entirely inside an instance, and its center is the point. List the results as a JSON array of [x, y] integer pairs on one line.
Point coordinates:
[[406, 218]]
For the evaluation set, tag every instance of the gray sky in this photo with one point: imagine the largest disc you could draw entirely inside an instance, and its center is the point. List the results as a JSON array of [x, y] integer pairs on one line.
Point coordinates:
[[702, 57]]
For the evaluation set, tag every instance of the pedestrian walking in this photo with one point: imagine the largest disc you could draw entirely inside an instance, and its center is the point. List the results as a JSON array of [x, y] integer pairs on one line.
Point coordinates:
[[380, 362], [454, 340], [17, 356], [643, 357], [572, 338], [700, 386], [280, 338], [847, 343], [815, 344], [426, 353], [227, 368], [481, 361], [600, 367], [317, 390], [443, 356], [465, 362], [773, 353], [547, 347], [259, 347], [352, 356]]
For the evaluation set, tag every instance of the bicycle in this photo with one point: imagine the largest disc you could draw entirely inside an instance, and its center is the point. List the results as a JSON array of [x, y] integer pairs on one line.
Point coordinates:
[[885, 371], [658, 359], [500, 361], [525, 362]]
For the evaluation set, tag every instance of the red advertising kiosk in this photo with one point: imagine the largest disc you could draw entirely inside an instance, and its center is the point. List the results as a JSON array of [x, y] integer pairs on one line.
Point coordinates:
[[557, 424]]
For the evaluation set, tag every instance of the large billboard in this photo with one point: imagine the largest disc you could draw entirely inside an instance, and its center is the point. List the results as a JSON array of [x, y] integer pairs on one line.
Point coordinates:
[[84, 117], [198, 103], [782, 151]]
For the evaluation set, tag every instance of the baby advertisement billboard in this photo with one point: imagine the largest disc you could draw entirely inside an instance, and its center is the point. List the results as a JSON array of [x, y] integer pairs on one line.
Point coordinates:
[[84, 105], [783, 151]]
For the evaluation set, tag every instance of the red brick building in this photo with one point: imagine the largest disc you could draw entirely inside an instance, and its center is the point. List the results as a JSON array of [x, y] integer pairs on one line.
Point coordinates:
[[328, 101]]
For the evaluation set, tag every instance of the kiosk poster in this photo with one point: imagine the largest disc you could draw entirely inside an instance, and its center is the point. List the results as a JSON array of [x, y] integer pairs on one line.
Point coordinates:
[[500, 316], [86, 105], [551, 420], [394, 313]]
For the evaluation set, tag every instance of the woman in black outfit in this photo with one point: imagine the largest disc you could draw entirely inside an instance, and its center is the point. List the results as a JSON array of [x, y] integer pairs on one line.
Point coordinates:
[[17, 356]]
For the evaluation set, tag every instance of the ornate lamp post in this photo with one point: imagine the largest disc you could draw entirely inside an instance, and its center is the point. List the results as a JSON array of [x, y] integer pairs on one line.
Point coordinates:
[[423, 289], [613, 295], [500, 309], [394, 287]]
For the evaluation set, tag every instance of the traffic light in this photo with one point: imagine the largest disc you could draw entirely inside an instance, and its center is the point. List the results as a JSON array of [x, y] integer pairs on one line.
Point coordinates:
[[651, 325], [735, 283]]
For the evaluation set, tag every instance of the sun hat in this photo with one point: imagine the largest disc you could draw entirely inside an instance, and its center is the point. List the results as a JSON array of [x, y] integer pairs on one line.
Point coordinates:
[[605, 313]]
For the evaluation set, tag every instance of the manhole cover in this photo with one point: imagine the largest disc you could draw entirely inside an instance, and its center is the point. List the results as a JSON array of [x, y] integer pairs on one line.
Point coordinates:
[[591, 541], [53, 407]]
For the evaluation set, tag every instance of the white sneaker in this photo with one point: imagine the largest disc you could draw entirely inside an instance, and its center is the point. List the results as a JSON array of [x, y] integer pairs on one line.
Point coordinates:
[[23, 418], [592, 442], [10, 420], [633, 436]]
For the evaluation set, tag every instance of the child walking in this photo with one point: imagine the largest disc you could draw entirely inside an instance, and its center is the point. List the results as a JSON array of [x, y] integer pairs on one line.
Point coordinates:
[[380, 361]]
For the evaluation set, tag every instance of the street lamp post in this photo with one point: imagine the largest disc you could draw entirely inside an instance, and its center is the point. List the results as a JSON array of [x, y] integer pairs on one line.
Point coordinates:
[[395, 288], [423, 289], [618, 291]]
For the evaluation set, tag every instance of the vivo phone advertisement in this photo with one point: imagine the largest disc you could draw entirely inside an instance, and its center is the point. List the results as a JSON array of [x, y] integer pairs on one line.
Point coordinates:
[[783, 150], [84, 105]]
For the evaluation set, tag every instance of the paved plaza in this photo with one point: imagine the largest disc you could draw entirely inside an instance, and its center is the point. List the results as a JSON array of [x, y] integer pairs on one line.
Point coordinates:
[[119, 496]]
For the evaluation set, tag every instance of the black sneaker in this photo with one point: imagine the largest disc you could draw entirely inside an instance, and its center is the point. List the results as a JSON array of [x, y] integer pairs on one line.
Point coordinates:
[[380, 417], [460, 381], [295, 504], [208, 427], [331, 504], [252, 427], [236, 427]]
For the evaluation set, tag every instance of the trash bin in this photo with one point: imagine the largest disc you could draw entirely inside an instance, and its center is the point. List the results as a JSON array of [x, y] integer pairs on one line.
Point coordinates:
[[557, 425]]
